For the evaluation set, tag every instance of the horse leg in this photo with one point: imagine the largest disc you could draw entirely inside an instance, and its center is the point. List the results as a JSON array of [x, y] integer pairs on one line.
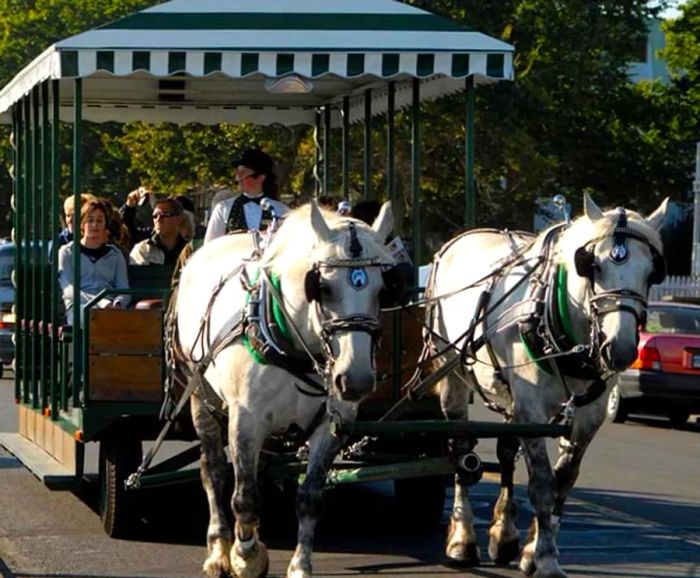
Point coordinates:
[[540, 554], [587, 422], [504, 539], [213, 474], [323, 447], [462, 548], [249, 558]]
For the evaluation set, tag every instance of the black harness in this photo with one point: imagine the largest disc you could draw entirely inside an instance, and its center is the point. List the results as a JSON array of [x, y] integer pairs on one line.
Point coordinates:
[[267, 338], [547, 333]]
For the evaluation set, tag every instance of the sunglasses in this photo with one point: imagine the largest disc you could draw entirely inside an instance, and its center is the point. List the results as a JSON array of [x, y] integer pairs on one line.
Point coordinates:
[[162, 214]]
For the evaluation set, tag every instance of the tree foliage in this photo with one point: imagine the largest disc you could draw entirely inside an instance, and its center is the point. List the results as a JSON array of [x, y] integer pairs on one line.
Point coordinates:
[[571, 122]]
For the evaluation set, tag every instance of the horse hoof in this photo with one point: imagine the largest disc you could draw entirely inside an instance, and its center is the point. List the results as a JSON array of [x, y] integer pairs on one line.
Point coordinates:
[[463, 555], [218, 564], [504, 553], [549, 569], [250, 563], [298, 573], [527, 565]]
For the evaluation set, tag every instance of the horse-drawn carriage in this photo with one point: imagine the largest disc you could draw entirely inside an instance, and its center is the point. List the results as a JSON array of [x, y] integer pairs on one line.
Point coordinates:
[[330, 64]]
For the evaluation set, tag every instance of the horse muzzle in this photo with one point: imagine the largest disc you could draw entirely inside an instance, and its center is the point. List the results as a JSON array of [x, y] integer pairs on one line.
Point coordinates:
[[354, 388], [617, 356]]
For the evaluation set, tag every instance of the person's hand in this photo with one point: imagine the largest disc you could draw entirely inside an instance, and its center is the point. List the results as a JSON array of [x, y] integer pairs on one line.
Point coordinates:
[[134, 197]]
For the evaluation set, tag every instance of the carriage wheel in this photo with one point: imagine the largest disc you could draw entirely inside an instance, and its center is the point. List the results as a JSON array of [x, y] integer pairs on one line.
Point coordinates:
[[119, 510], [421, 501], [616, 411]]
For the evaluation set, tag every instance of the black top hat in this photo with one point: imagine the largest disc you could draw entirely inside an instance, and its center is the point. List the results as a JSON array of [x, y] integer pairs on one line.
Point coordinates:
[[256, 160], [186, 202]]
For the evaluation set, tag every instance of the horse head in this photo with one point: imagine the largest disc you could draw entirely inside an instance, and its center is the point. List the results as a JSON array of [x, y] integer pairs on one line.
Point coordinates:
[[621, 259], [331, 273]]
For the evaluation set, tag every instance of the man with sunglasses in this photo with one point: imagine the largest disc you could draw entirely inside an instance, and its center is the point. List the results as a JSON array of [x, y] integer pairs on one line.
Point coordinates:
[[255, 180], [164, 246]]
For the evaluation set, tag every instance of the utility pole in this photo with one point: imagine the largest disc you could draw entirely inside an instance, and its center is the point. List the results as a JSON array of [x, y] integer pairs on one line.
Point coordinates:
[[696, 215]]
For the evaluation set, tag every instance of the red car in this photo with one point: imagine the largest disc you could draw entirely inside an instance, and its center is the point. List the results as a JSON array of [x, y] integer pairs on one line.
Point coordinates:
[[665, 378]]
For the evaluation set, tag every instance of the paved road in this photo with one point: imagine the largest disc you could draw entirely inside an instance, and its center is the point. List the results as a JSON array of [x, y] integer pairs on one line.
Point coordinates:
[[635, 513]]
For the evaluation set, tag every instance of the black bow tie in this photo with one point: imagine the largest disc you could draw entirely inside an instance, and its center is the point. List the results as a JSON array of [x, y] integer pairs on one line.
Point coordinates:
[[246, 199]]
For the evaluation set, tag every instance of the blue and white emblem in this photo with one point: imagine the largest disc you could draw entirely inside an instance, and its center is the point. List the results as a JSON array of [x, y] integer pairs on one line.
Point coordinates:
[[357, 277], [619, 253]]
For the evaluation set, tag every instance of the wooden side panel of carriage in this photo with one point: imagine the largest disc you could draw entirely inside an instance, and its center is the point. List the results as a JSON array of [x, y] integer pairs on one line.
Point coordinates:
[[411, 346], [125, 355]]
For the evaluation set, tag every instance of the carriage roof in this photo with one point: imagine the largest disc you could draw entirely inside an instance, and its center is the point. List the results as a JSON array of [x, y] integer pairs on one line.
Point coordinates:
[[261, 61]]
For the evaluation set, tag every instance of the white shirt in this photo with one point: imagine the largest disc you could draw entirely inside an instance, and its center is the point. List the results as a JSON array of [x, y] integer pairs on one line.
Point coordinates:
[[216, 227]]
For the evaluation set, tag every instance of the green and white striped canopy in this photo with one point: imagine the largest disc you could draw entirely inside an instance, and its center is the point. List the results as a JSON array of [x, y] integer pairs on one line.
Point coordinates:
[[223, 60]]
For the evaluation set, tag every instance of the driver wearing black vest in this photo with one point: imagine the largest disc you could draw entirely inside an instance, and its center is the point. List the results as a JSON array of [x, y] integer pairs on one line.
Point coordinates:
[[256, 180]]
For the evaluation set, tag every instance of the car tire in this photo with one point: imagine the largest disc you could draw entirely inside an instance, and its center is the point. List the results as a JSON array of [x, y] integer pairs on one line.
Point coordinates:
[[678, 417], [615, 410]]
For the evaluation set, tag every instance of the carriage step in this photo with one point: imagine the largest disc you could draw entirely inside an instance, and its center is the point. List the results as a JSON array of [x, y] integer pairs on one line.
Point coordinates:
[[473, 428], [55, 475]]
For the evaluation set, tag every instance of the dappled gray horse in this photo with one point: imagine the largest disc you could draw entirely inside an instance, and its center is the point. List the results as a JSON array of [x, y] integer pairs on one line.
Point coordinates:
[[284, 340], [540, 325]]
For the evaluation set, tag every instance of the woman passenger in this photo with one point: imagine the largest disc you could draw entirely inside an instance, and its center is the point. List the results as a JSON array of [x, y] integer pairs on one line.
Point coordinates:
[[102, 266]]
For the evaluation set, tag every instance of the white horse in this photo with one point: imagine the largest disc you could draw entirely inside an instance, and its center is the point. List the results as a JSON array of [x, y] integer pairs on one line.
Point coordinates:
[[323, 277], [554, 317]]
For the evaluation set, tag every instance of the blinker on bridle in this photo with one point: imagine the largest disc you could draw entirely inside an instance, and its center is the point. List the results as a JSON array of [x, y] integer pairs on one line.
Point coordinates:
[[357, 278], [606, 302], [585, 260], [620, 252]]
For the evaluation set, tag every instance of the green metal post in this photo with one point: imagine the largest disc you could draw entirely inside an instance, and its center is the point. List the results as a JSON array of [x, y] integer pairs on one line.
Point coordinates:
[[397, 328], [77, 162], [43, 254], [18, 232], [470, 200], [53, 227], [317, 155], [368, 146], [327, 149], [415, 177], [33, 245], [391, 144], [346, 148], [23, 247]]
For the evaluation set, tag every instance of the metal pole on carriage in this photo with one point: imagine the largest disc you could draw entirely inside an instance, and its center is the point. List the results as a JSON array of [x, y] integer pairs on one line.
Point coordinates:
[[696, 215]]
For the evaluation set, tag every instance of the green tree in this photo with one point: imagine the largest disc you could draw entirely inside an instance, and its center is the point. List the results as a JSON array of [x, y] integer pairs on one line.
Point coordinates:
[[572, 121], [27, 27]]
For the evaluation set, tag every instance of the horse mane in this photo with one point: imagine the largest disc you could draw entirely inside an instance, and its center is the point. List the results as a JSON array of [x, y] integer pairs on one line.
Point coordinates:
[[583, 230], [296, 234]]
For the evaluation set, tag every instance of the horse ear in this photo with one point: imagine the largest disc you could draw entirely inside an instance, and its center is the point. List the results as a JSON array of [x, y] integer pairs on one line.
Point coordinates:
[[591, 210], [319, 224], [384, 223], [656, 219]]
